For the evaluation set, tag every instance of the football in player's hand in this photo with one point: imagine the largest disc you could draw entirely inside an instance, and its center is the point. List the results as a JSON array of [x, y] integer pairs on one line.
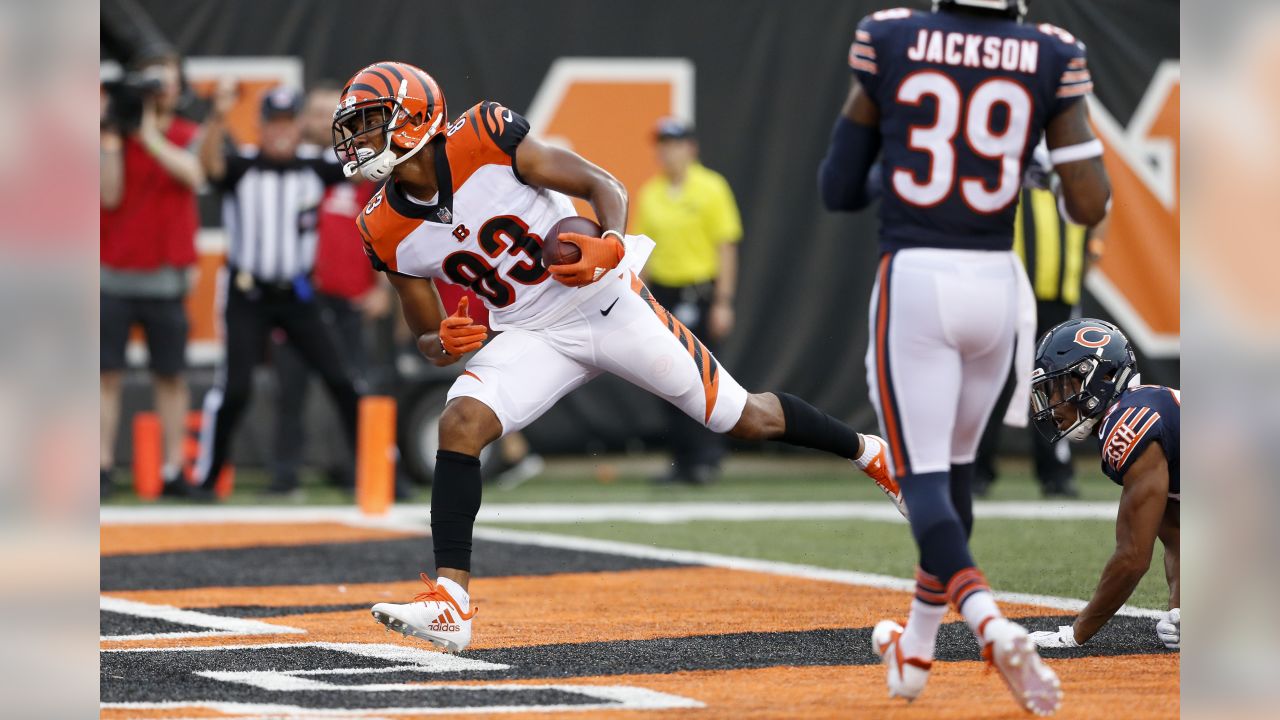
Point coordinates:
[[555, 252]]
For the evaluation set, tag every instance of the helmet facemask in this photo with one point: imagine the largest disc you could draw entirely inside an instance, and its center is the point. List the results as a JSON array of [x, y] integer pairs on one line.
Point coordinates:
[[1085, 387]]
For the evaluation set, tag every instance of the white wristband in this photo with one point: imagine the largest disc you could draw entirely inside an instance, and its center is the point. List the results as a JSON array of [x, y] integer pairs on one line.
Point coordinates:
[[607, 233], [1072, 153]]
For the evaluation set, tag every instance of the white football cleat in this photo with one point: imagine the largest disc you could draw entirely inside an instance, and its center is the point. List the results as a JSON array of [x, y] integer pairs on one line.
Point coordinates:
[[1011, 650], [906, 675], [434, 616], [877, 468]]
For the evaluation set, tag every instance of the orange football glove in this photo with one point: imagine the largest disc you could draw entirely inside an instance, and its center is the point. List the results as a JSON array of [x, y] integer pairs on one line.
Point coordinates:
[[458, 335], [599, 256]]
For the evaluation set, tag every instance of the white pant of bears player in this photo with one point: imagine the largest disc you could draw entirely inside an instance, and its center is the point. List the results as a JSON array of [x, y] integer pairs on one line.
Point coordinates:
[[942, 340], [619, 330]]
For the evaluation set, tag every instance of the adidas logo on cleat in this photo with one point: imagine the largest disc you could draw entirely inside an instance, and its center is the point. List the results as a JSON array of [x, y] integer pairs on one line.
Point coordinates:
[[444, 623]]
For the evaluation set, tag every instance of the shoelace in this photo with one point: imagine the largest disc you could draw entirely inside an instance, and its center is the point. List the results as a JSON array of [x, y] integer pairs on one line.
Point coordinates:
[[435, 593]]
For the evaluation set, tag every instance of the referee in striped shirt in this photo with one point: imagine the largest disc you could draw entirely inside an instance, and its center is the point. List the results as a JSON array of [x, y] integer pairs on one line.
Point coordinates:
[[1056, 255], [270, 201]]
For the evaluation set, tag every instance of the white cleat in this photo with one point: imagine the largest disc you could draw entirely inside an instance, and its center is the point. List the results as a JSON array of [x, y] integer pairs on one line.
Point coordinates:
[[878, 469], [1011, 650], [906, 675], [434, 616]]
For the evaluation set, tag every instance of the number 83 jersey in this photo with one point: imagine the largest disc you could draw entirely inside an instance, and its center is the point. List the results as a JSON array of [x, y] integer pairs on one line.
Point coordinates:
[[963, 100], [483, 231]]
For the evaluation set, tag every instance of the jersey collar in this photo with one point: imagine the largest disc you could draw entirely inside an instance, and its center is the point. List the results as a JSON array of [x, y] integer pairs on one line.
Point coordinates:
[[442, 211]]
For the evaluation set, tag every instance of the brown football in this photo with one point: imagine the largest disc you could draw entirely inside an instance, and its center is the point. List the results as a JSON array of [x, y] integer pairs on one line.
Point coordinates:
[[555, 252]]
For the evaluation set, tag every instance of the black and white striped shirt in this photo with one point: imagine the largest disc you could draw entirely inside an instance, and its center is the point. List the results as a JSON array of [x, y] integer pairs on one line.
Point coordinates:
[[269, 211]]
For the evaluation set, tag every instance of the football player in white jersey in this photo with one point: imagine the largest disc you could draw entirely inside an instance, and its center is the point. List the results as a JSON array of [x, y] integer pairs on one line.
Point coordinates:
[[469, 202]]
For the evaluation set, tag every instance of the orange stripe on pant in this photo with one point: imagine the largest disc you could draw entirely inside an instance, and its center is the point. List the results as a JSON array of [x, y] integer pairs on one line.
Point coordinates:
[[887, 406], [708, 369]]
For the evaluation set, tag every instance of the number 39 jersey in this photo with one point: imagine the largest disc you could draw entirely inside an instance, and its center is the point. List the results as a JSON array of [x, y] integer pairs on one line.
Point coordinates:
[[963, 101], [484, 230]]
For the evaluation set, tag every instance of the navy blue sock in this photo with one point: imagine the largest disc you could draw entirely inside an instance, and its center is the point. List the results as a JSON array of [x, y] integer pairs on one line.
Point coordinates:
[[455, 500], [962, 494], [935, 524]]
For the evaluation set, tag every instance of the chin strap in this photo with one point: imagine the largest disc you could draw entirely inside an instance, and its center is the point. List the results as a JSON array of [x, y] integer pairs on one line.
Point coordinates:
[[1082, 431], [378, 168]]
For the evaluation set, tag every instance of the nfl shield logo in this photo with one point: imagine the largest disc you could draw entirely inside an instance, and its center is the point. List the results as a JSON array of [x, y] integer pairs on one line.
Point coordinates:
[[444, 215]]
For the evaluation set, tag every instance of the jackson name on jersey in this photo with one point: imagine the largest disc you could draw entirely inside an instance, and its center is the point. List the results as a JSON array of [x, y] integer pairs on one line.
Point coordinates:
[[484, 230], [963, 102]]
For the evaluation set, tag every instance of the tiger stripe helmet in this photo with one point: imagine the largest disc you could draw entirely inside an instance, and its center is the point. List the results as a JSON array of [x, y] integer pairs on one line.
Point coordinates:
[[397, 101]]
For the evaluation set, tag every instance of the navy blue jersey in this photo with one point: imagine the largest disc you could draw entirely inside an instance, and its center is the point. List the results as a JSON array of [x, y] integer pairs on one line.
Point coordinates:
[[1143, 415], [963, 100]]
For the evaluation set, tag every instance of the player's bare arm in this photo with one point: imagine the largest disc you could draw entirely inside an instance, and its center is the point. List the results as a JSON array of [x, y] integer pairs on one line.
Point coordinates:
[[855, 144], [1170, 532], [423, 313], [565, 171], [1086, 190], [1142, 510]]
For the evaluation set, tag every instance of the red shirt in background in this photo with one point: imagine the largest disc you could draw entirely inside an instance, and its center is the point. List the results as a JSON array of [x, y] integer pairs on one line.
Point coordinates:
[[342, 268], [156, 222], [450, 294]]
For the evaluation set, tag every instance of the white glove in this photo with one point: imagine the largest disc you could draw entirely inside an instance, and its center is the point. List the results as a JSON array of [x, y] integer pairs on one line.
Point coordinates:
[[1063, 637], [1169, 629]]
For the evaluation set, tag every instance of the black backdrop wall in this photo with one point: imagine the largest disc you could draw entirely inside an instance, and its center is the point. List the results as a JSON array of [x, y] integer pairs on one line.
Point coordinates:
[[770, 77]]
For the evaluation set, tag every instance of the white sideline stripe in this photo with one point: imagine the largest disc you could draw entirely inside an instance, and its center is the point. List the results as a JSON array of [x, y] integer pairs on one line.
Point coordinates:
[[215, 625], [810, 572], [616, 697], [418, 658], [606, 512]]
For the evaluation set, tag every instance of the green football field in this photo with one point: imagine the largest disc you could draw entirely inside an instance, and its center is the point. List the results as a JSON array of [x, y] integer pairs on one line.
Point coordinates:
[[1052, 557]]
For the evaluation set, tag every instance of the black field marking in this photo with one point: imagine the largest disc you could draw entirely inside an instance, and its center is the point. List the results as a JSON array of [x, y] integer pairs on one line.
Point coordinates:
[[112, 623], [336, 563], [145, 676], [270, 611], [1122, 636], [171, 676]]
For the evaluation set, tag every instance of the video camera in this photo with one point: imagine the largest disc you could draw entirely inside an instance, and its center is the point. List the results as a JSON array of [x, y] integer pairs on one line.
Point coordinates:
[[126, 96], [132, 39]]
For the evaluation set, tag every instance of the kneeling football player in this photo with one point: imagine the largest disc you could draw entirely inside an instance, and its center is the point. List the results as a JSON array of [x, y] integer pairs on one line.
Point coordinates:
[[1086, 377], [469, 201]]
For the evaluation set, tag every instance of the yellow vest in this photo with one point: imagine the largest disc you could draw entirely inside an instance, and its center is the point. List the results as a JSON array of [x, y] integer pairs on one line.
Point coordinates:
[[1051, 249], [687, 224]]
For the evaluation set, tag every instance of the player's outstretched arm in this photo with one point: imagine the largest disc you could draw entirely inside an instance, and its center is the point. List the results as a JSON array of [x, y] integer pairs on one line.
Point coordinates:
[[423, 313], [565, 171], [1170, 537], [1077, 157], [1142, 508], [1169, 629], [855, 143]]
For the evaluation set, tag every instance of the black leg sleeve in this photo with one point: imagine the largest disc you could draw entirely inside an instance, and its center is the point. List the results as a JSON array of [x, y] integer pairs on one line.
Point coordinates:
[[455, 500], [807, 426]]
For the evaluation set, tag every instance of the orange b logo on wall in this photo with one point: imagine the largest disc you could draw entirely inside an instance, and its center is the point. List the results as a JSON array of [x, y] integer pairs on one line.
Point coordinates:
[[1082, 337], [1137, 280], [606, 109]]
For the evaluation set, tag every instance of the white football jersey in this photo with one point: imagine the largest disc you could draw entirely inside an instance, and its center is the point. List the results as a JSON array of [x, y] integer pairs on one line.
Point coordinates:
[[484, 230]]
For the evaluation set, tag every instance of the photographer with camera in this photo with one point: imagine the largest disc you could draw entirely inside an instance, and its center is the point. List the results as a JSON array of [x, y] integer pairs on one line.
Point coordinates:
[[149, 177]]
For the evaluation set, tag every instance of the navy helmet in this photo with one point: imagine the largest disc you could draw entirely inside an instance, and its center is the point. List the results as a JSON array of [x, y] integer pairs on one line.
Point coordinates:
[[1083, 365], [1016, 9]]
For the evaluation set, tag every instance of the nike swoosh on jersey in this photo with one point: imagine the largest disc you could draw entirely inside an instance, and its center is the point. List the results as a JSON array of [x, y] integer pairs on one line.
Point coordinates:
[[605, 312]]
